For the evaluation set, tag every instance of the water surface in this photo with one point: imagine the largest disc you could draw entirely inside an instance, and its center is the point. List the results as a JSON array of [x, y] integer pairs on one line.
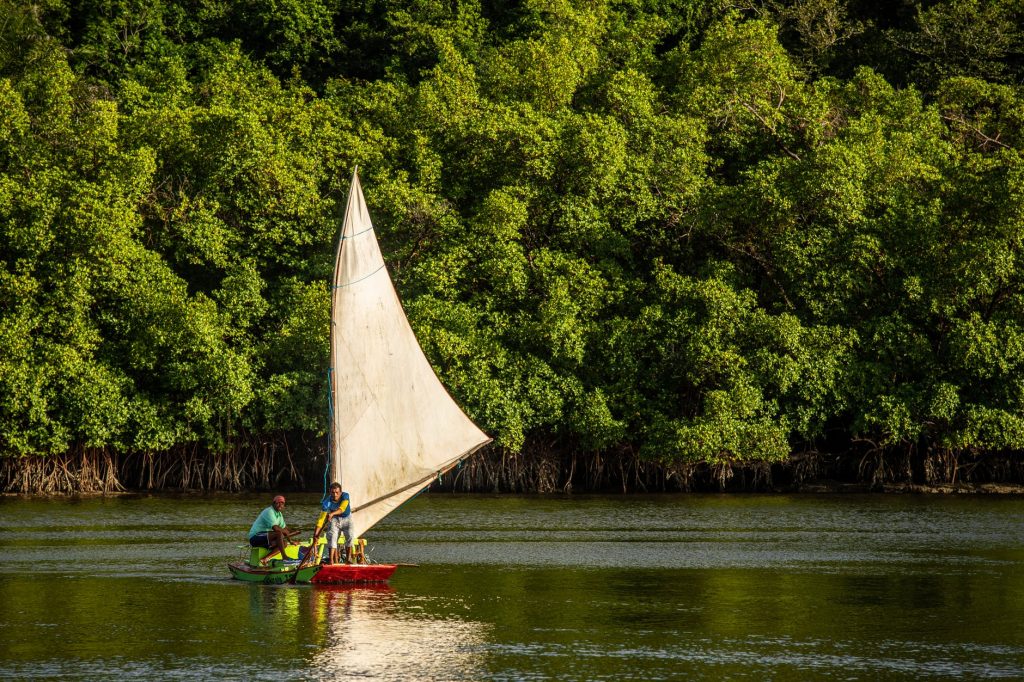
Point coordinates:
[[526, 588]]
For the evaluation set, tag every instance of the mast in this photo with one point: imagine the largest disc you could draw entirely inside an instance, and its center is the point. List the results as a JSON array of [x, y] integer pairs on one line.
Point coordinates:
[[337, 280]]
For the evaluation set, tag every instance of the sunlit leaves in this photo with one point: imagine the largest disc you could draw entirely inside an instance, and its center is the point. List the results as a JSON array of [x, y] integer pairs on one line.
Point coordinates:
[[613, 224]]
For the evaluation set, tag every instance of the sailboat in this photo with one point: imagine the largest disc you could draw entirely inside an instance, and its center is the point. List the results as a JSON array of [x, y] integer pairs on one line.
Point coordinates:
[[393, 426]]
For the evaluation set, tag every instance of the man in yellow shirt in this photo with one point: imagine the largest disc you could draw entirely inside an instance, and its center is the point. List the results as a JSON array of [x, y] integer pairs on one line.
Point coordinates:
[[338, 512]]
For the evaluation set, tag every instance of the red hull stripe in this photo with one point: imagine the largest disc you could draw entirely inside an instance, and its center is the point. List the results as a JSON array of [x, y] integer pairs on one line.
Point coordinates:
[[353, 573]]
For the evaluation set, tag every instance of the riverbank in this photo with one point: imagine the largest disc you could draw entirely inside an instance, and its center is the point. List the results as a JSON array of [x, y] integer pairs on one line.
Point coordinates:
[[911, 488], [287, 466]]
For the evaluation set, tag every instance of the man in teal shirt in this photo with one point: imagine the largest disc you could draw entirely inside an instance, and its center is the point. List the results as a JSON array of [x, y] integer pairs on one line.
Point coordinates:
[[269, 529]]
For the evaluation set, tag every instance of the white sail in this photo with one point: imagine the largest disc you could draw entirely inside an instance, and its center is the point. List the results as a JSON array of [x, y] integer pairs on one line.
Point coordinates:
[[394, 426]]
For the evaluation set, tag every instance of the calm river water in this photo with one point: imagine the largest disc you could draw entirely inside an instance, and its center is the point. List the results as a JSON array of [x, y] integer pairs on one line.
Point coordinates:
[[526, 588]]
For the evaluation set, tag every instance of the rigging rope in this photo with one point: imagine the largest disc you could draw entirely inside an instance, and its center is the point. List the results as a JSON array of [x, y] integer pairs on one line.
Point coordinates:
[[330, 429]]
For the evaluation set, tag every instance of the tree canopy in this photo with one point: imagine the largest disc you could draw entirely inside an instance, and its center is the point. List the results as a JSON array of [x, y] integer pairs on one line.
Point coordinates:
[[704, 230]]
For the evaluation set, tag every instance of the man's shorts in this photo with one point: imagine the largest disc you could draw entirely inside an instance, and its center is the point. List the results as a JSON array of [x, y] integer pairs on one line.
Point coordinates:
[[260, 540]]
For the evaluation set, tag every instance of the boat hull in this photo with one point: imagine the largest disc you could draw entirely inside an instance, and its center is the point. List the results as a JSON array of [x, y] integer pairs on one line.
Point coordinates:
[[334, 574], [277, 573]]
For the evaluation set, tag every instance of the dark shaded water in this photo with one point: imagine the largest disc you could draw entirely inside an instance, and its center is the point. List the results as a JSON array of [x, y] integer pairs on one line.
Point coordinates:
[[526, 588]]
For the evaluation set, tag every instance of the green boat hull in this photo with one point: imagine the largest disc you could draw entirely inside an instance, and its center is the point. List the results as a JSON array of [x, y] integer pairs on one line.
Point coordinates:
[[275, 573]]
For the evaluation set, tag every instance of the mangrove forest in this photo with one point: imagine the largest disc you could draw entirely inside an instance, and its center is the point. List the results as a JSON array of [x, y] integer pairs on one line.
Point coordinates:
[[645, 244]]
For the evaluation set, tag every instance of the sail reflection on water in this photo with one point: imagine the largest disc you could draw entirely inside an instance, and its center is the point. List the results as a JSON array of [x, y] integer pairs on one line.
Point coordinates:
[[369, 634]]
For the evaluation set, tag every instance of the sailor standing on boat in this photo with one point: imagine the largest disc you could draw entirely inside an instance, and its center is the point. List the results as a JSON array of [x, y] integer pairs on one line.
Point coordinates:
[[338, 513], [269, 529]]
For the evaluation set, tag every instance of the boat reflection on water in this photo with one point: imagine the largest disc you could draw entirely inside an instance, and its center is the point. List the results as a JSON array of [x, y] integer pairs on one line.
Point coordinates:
[[370, 631]]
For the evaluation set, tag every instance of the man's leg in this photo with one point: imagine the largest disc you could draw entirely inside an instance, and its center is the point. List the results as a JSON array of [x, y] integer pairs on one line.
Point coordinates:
[[332, 538], [280, 541], [346, 527]]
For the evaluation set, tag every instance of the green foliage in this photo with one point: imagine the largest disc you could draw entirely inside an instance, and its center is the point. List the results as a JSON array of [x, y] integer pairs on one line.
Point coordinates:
[[706, 234], [964, 38], [710, 376]]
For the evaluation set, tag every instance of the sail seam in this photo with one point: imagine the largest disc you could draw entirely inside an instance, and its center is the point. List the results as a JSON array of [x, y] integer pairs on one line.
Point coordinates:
[[351, 236], [357, 281]]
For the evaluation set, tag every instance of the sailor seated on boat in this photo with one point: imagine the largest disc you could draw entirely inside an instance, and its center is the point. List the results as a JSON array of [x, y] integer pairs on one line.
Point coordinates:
[[337, 512], [269, 529]]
